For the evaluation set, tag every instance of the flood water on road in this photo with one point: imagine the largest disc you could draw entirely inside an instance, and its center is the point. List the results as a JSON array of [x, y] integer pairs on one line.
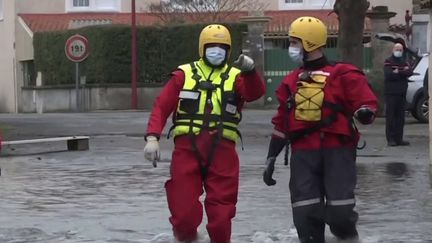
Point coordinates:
[[110, 194]]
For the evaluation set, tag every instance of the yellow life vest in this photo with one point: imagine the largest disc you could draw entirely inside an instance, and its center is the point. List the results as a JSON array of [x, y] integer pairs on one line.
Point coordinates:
[[309, 96], [206, 87]]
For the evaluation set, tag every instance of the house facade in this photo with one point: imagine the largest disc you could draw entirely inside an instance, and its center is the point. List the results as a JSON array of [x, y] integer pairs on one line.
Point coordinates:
[[304, 4], [421, 30], [16, 41], [8, 91], [68, 6], [397, 6]]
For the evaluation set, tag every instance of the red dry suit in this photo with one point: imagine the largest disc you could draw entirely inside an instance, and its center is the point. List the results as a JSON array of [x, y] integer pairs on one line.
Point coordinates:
[[346, 90], [186, 184], [323, 156]]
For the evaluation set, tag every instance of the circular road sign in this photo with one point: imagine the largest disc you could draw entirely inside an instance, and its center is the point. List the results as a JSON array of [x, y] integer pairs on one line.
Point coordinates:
[[77, 48]]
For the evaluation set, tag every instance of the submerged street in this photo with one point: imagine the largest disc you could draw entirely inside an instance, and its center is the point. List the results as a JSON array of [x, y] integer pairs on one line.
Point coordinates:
[[111, 194]]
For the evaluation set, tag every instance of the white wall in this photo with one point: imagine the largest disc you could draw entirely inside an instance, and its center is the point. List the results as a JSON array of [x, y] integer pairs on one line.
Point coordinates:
[[306, 5], [7, 58], [96, 98], [40, 6], [95, 6], [421, 32], [140, 5], [24, 41], [1, 10], [397, 6]]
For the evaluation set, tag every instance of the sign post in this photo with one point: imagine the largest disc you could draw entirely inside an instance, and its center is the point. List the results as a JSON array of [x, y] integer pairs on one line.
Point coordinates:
[[77, 50]]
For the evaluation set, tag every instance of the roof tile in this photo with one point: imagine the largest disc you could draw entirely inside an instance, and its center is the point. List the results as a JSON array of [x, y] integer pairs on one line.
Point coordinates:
[[279, 23]]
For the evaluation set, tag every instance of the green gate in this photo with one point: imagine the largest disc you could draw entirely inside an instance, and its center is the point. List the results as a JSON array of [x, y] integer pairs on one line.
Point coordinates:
[[277, 65]]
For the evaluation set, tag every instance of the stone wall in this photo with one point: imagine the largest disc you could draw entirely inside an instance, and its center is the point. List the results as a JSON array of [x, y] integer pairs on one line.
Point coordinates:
[[45, 99]]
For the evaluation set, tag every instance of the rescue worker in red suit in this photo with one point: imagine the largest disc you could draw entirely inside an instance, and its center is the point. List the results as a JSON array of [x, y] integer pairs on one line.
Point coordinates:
[[317, 102], [206, 97]]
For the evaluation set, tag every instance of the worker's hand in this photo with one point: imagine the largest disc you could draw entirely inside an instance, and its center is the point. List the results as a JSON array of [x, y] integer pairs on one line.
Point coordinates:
[[244, 63], [365, 115], [152, 150], [268, 172], [395, 70]]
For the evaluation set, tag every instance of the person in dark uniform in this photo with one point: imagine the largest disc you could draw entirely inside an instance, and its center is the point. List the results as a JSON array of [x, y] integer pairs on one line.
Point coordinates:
[[396, 73]]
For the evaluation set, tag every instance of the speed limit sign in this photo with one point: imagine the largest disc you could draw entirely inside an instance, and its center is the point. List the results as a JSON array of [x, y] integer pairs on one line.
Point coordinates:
[[77, 48]]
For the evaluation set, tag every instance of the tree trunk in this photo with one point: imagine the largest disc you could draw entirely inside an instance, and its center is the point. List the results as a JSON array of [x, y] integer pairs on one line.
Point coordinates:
[[351, 14]]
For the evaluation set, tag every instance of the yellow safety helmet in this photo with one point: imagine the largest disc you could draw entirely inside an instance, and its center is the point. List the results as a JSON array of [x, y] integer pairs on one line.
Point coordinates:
[[214, 33], [311, 31]]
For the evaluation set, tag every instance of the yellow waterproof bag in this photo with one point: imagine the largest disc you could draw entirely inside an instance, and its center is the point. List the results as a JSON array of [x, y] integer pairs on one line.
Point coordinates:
[[310, 96]]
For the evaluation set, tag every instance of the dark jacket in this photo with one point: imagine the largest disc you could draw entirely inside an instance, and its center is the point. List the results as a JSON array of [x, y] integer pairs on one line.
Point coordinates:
[[396, 83]]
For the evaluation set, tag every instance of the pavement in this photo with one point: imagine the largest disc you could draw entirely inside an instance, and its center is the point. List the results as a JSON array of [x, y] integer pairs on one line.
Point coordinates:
[[110, 194]]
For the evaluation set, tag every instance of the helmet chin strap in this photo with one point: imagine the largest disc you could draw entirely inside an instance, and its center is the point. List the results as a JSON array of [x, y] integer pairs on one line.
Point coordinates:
[[305, 55]]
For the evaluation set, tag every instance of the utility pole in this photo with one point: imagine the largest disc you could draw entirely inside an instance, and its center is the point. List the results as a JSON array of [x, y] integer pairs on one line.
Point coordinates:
[[134, 98]]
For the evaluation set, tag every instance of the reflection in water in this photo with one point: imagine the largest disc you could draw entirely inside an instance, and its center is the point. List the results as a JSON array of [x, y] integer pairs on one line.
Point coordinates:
[[28, 235], [394, 198], [91, 198], [397, 169], [108, 200]]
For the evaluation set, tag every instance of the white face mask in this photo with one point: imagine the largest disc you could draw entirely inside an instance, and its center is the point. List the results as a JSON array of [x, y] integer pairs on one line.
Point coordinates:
[[215, 55], [397, 53], [296, 54]]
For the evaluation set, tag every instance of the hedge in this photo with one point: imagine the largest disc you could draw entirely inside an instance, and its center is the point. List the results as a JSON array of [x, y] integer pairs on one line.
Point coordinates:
[[160, 50]]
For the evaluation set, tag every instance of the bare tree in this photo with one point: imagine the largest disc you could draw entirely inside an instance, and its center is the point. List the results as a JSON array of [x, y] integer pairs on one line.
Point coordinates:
[[425, 4], [173, 11], [351, 15]]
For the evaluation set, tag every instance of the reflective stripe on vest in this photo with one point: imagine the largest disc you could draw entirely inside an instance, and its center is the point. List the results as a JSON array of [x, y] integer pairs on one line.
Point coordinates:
[[192, 100]]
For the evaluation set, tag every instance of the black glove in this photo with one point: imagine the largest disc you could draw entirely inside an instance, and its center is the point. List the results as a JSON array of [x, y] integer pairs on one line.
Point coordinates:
[[365, 115], [268, 172], [275, 147]]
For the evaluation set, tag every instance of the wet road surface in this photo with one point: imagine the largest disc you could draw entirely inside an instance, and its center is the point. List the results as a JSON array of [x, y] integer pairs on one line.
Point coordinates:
[[110, 194]]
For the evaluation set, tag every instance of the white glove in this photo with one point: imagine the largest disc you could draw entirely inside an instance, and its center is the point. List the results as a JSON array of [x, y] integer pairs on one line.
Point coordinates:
[[152, 150], [244, 63]]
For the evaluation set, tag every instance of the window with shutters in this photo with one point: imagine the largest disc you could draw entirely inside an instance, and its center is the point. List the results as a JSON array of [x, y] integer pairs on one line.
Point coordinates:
[[81, 3]]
